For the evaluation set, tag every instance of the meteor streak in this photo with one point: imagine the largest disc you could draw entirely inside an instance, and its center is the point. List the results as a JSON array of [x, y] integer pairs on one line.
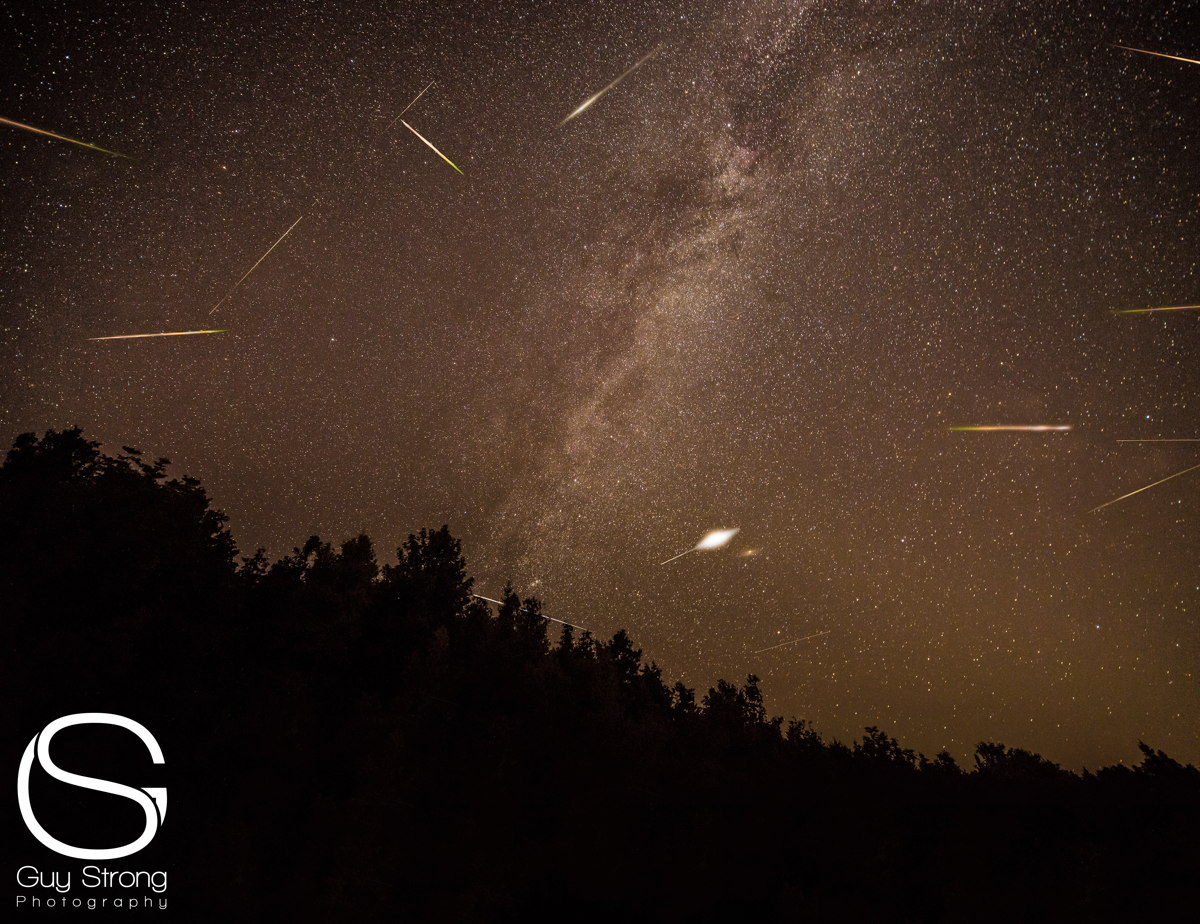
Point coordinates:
[[431, 147], [793, 641], [318, 199], [530, 612], [408, 107], [82, 144], [174, 333], [1032, 428], [591, 99], [1145, 310], [1146, 488], [1176, 440], [713, 540], [255, 266], [1158, 54]]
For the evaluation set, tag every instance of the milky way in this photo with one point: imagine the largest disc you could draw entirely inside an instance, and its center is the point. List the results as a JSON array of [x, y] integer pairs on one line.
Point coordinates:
[[757, 285]]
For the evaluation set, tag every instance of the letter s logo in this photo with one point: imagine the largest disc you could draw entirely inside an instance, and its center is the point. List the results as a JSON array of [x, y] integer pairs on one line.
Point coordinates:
[[153, 800]]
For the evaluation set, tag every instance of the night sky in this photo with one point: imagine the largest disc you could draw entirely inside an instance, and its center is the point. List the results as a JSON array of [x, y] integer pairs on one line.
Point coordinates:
[[752, 286]]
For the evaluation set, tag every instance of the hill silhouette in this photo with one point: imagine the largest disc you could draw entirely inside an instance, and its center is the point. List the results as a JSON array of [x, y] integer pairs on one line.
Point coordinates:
[[351, 740]]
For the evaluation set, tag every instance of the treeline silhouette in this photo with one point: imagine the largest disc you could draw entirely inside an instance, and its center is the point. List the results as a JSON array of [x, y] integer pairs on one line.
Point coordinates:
[[347, 741]]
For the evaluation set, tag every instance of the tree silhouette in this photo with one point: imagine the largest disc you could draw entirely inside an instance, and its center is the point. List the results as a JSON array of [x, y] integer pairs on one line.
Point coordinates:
[[995, 761], [354, 741]]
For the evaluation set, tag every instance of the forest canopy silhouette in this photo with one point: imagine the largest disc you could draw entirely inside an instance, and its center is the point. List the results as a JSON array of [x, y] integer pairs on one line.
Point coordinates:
[[354, 739]]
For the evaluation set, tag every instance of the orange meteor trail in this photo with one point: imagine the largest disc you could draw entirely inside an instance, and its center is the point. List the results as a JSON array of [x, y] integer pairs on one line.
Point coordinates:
[[42, 131], [1144, 310], [431, 147], [1146, 488], [174, 333], [1038, 428], [255, 266], [1157, 54]]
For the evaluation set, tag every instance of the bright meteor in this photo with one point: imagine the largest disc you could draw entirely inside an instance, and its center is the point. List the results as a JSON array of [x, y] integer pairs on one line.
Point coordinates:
[[255, 266], [82, 144], [431, 147], [586, 104], [1146, 488], [174, 333], [1157, 54], [1145, 310], [1026, 428], [712, 540]]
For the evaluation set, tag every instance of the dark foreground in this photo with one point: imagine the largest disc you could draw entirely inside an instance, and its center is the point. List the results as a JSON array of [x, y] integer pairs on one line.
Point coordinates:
[[349, 742]]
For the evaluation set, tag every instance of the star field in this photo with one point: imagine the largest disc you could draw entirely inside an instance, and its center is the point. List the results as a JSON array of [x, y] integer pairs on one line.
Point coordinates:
[[752, 286]]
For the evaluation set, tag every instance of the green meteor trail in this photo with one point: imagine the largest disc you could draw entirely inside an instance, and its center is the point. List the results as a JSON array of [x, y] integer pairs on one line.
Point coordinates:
[[82, 144], [174, 333], [1145, 310], [431, 147]]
